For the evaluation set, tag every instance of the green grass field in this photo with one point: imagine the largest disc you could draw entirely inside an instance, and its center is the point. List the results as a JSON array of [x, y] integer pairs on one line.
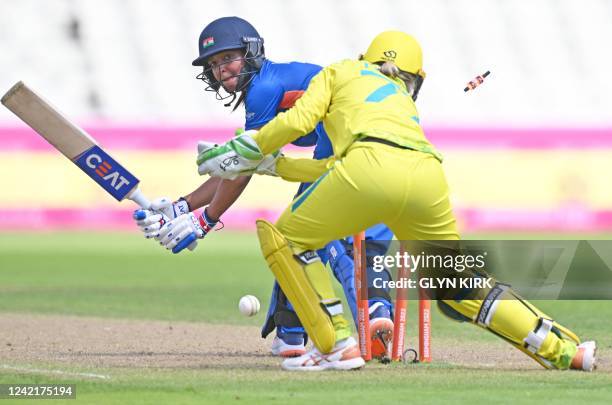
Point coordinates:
[[122, 276]]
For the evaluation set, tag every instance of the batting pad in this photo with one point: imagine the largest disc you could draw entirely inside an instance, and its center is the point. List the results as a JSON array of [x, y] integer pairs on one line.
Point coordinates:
[[295, 284]]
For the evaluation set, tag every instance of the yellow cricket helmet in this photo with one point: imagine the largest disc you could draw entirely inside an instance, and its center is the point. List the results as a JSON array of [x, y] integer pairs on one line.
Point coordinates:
[[399, 48]]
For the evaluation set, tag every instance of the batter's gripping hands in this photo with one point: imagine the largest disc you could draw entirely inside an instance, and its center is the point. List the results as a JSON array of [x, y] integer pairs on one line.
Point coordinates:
[[239, 156], [162, 210], [179, 233]]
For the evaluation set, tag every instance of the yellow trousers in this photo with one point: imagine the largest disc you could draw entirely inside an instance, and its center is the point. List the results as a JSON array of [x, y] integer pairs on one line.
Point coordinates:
[[406, 190], [374, 183]]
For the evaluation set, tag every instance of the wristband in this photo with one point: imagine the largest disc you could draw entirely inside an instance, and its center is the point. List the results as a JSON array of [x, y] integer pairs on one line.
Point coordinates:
[[206, 223], [180, 207]]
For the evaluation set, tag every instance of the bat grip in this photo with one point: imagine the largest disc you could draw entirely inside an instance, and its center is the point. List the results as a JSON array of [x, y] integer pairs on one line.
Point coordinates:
[[139, 198]]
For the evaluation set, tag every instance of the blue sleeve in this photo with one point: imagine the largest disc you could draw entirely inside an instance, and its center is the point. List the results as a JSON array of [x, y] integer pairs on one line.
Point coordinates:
[[324, 148], [262, 103], [307, 140], [262, 106]]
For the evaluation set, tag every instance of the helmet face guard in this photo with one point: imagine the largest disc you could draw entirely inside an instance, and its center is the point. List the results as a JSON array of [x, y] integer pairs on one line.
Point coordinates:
[[253, 59], [416, 80], [417, 86]]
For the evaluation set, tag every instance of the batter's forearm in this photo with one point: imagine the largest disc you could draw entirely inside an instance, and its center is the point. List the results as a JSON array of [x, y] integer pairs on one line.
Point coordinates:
[[204, 194], [227, 193]]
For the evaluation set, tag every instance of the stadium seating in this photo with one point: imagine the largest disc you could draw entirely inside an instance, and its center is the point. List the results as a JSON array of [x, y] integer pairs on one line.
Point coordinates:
[[129, 60]]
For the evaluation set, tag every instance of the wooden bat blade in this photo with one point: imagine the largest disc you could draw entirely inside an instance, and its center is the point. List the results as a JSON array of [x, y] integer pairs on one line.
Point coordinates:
[[45, 119], [76, 144]]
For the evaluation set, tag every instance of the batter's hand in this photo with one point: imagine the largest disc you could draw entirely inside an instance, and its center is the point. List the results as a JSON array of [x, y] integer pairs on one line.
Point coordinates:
[[162, 211], [179, 233]]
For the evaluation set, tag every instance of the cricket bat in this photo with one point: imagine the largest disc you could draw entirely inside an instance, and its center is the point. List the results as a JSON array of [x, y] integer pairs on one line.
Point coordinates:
[[76, 144]]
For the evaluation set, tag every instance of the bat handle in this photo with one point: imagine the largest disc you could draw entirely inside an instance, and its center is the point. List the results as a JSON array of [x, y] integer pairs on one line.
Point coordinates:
[[139, 198]]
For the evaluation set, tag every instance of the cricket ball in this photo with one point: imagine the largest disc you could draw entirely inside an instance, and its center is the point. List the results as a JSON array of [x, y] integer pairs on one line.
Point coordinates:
[[248, 305]]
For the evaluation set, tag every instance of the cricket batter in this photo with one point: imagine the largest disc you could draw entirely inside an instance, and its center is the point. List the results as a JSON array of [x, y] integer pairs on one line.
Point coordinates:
[[231, 52], [383, 170]]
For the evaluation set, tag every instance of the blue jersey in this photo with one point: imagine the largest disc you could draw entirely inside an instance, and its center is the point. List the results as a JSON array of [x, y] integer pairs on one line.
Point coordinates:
[[276, 88]]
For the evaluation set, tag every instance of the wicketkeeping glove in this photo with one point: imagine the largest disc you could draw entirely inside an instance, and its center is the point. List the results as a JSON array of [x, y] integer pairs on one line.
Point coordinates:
[[268, 164], [239, 156], [179, 233]]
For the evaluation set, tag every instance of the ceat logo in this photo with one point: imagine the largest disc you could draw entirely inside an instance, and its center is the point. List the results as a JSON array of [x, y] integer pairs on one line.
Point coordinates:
[[104, 170]]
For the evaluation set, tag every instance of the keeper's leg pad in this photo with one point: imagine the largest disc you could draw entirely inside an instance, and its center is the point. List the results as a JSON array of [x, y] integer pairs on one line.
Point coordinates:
[[515, 320], [292, 278]]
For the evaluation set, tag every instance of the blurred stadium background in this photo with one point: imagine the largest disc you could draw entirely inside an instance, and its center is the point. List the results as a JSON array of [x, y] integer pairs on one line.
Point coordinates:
[[529, 150]]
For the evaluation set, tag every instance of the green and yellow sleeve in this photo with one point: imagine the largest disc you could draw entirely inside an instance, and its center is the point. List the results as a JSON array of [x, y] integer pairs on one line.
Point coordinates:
[[301, 170]]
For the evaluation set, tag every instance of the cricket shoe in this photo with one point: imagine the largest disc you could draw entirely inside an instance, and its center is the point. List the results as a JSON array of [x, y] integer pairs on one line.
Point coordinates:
[[288, 344], [585, 357], [381, 329], [344, 356]]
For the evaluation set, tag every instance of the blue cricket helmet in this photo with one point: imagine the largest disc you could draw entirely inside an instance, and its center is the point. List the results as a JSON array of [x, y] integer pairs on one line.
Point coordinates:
[[228, 33], [224, 34]]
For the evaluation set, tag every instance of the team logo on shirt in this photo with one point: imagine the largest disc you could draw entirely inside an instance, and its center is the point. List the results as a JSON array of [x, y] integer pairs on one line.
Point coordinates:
[[390, 55]]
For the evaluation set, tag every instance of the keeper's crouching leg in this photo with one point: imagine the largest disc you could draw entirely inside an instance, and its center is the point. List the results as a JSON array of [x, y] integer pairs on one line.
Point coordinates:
[[515, 320], [307, 284]]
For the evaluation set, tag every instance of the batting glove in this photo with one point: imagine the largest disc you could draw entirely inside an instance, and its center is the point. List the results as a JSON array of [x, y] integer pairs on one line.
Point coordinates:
[[162, 211], [179, 233]]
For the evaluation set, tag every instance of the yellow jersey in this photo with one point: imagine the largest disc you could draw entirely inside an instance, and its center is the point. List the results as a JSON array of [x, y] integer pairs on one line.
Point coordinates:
[[354, 100]]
